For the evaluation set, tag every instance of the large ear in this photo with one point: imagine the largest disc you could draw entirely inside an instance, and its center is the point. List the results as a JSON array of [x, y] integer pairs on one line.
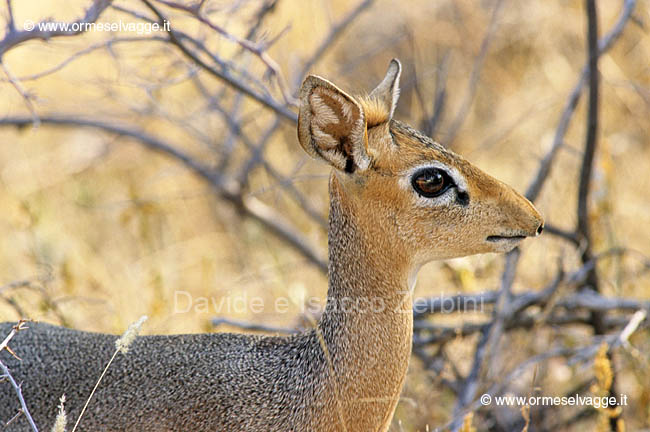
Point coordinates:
[[387, 92], [332, 126]]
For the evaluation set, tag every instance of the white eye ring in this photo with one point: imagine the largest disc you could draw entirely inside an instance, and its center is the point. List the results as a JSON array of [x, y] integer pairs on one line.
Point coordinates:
[[444, 199], [431, 182]]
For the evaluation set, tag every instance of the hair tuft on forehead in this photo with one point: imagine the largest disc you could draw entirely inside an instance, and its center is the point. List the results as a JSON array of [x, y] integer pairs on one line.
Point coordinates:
[[376, 111]]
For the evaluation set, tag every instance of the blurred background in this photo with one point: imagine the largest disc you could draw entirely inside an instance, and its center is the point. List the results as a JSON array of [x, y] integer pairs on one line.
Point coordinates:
[[138, 164]]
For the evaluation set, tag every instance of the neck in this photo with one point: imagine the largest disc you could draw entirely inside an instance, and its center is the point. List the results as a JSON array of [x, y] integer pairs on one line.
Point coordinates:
[[367, 324]]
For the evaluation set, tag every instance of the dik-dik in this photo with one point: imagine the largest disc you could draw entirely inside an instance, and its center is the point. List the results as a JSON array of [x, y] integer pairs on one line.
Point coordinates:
[[397, 201]]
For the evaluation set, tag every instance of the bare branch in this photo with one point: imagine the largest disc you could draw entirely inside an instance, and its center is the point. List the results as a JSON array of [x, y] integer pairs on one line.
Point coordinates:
[[490, 336], [562, 233], [255, 48], [106, 44], [519, 302], [226, 188], [24, 410], [11, 23], [4, 346], [20, 326], [17, 37], [229, 142], [632, 326], [594, 302], [583, 229], [15, 284], [174, 38], [431, 123], [257, 151], [604, 45], [591, 137], [456, 303], [575, 355], [256, 157], [22, 92], [427, 334], [265, 9]]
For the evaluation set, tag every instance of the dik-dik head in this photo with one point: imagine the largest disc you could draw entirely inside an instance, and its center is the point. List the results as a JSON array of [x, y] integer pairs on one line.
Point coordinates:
[[402, 186]]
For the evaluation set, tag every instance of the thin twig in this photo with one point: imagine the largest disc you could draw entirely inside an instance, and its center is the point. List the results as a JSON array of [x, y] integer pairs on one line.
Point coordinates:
[[574, 355], [19, 394], [16, 37], [106, 44], [16, 284], [11, 23], [426, 334], [257, 152], [431, 123], [20, 326], [562, 233], [604, 45], [4, 346], [335, 33], [27, 98], [474, 78], [491, 335], [229, 142], [285, 182], [258, 50], [256, 157], [632, 326], [225, 187], [224, 75]]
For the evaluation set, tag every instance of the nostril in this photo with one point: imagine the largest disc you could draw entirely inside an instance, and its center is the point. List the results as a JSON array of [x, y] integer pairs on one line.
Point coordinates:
[[540, 229]]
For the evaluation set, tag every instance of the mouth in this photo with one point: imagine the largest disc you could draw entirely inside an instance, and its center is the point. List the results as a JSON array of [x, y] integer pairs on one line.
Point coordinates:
[[498, 238]]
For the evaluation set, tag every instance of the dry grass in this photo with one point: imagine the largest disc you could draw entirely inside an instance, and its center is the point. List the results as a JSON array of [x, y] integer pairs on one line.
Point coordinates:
[[104, 231]]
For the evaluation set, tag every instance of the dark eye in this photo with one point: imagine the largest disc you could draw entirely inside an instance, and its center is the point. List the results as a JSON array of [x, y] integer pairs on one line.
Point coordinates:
[[431, 182]]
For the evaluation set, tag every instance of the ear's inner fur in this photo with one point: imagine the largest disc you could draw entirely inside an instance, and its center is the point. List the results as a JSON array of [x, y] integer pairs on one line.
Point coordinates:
[[332, 126], [335, 122]]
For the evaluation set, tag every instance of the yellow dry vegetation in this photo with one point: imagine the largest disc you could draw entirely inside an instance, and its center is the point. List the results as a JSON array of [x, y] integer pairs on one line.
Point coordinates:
[[107, 231]]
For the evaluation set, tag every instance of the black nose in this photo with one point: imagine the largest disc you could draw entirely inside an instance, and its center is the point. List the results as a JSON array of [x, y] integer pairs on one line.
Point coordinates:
[[540, 229]]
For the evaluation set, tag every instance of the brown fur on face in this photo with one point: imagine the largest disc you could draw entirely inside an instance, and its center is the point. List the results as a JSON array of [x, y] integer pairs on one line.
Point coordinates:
[[434, 228]]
